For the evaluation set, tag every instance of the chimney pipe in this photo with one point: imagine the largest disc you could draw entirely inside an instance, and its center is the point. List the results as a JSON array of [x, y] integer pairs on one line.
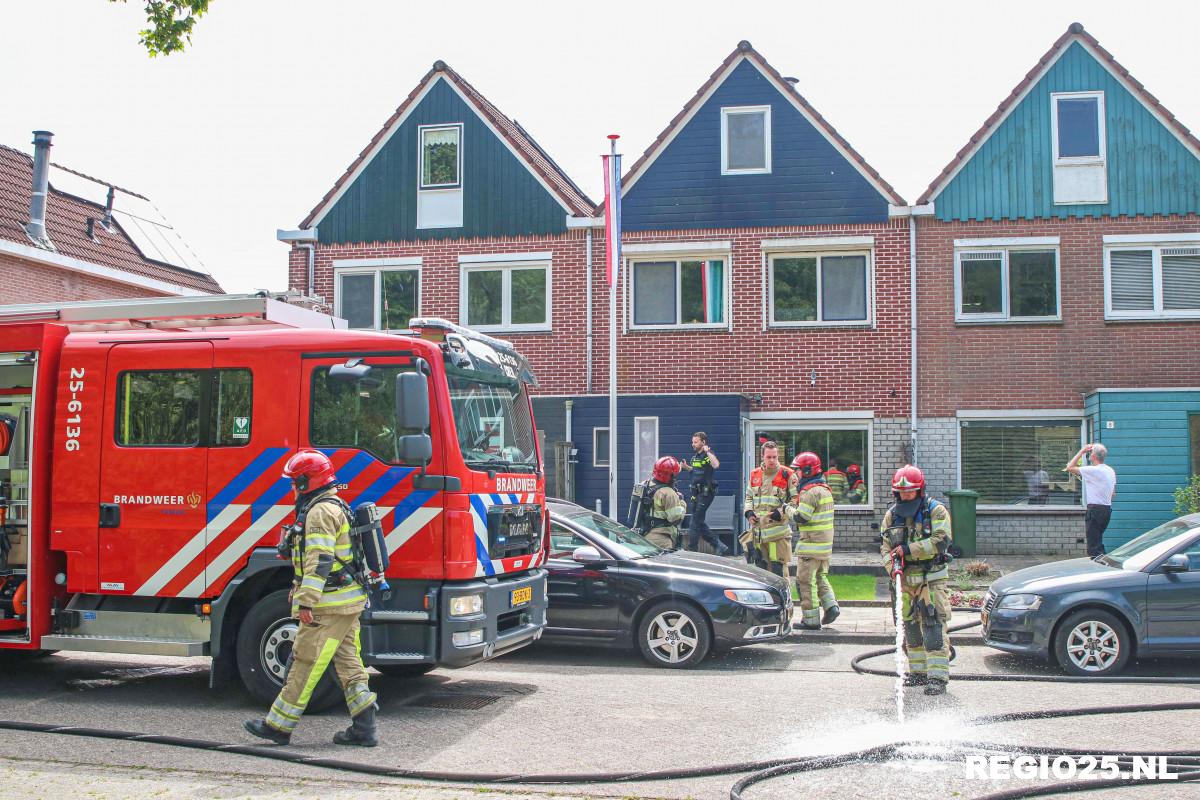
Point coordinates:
[[108, 208], [41, 184]]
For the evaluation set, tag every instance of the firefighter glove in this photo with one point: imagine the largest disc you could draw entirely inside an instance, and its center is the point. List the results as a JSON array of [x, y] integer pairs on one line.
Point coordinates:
[[776, 516]]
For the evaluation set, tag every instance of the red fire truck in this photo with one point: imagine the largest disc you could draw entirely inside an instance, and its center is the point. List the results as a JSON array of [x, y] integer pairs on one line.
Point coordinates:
[[141, 493]]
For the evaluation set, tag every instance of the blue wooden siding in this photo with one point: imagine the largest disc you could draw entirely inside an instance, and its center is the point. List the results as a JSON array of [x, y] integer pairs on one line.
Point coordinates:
[[1149, 448], [1011, 176], [810, 182], [501, 197], [679, 416]]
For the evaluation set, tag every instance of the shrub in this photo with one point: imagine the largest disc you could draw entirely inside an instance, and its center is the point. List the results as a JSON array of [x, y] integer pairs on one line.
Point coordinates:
[[977, 569], [1187, 498]]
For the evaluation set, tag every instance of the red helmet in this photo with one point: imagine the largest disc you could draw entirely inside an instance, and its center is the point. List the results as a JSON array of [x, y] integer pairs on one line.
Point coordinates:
[[665, 469], [309, 470], [908, 477], [854, 471], [807, 464]]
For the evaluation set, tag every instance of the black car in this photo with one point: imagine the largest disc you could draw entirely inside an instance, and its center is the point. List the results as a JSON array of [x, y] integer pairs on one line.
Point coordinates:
[[610, 585]]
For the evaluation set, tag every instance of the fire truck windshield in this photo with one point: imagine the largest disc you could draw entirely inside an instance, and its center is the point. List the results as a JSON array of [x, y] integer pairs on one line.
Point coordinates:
[[494, 426]]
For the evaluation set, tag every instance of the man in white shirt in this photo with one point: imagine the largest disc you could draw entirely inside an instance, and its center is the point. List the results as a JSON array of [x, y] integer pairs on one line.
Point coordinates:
[[1099, 486]]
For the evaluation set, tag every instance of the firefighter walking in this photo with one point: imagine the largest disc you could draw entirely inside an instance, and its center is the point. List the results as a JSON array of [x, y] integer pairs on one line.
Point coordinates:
[[812, 512], [327, 599], [916, 536], [767, 494], [667, 508]]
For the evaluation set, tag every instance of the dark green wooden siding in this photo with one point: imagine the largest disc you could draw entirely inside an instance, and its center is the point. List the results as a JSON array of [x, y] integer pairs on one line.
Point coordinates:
[[1011, 176], [501, 197]]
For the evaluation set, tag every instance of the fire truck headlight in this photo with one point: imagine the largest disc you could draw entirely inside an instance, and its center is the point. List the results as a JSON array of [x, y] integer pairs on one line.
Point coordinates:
[[468, 638], [466, 605]]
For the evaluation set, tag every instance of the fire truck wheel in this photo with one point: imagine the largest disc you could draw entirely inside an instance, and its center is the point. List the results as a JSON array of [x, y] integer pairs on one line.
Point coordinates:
[[674, 634], [264, 644], [405, 670]]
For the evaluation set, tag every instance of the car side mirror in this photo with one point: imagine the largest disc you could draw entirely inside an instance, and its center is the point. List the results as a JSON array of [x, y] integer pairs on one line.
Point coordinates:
[[588, 555], [1177, 563]]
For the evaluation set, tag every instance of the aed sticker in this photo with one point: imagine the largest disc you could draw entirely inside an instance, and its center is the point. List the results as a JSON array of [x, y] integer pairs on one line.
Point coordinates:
[[89, 616], [241, 427], [112, 587]]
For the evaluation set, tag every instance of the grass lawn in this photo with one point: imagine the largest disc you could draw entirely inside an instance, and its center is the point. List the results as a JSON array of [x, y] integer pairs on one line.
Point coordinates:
[[849, 587]]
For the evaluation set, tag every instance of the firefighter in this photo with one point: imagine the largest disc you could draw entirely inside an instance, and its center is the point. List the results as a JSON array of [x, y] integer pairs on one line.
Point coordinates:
[[767, 494], [812, 511], [704, 490], [667, 509], [916, 537], [327, 598], [857, 493], [839, 484]]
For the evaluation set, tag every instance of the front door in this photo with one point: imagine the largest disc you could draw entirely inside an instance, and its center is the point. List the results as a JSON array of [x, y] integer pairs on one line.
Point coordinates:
[[154, 468], [581, 597], [1173, 600]]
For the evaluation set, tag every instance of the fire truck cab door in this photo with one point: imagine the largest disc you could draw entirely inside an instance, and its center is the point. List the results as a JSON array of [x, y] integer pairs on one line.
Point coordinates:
[[154, 470]]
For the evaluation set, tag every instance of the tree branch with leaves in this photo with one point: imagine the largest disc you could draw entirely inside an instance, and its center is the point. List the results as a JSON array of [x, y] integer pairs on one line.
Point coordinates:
[[171, 23]]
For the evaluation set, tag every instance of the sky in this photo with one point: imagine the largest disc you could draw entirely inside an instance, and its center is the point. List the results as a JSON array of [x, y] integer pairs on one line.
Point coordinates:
[[244, 132]]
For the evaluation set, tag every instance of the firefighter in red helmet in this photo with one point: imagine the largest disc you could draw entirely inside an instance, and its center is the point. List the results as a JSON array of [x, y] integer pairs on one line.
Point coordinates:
[[857, 493], [328, 598], [811, 510], [916, 538], [666, 508]]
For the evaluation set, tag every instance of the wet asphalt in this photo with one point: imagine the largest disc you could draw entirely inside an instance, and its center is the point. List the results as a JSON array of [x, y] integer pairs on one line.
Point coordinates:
[[555, 709]]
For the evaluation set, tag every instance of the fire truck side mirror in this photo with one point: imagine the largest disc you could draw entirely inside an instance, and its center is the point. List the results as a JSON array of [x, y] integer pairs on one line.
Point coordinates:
[[415, 449], [412, 401]]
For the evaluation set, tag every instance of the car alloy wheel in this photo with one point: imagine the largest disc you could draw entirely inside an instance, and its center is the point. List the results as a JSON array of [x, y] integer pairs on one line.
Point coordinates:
[[1093, 646], [674, 634]]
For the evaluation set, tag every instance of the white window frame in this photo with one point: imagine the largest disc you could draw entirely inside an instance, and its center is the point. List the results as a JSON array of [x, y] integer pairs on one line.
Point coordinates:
[[596, 462], [637, 448], [819, 254], [1065, 415], [1102, 139], [1155, 246], [817, 421], [373, 266], [505, 264], [725, 112], [678, 256], [421, 129], [1004, 247]]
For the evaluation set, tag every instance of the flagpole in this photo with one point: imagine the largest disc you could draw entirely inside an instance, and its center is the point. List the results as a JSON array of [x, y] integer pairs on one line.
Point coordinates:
[[613, 252]]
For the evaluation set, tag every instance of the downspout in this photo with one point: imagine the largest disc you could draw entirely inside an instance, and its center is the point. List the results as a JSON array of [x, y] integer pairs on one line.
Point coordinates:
[[588, 387], [912, 324], [312, 264]]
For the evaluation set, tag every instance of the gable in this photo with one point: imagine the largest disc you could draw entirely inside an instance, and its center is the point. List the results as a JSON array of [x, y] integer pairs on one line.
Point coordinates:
[[811, 182], [500, 195], [1011, 175]]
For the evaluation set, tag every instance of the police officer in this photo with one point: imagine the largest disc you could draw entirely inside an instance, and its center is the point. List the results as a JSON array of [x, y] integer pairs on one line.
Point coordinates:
[[767, 494], [857, 493], [667, 508], [916, 535], [327, 599], [704, 489], [812, 511], [839, 484]]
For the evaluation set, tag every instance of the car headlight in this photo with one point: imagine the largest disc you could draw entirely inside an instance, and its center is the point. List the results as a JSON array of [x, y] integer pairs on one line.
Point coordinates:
[[1021, 602], [466, 605], [750, 597]]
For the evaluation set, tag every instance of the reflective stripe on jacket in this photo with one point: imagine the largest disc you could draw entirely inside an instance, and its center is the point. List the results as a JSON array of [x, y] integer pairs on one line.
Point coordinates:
[[325, 554], [813, 515]]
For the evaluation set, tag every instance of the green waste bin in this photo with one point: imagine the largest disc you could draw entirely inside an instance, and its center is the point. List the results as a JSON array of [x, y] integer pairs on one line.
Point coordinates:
[[962, 518]]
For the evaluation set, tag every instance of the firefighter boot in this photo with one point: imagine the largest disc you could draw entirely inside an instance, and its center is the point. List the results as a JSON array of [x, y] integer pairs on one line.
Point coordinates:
[[831, 613], [935, 687], [915, 679], [361, 731], [262, 730]]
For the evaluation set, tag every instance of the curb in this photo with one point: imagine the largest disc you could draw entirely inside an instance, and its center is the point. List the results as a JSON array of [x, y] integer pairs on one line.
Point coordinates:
[[833, 637]]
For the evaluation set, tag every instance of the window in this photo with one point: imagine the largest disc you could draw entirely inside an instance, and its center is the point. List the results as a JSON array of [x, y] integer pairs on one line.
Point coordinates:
[[679, 292], [506, 297], [645, 446], [838, 445], [1078, 127], [441, 156], [1194, 436], [564, 542], [378, 299], [1007, 284], [820, 289], [1152, 281], [360, 415], [1018, 462], [600, 447], [165, 408], [746, 140]]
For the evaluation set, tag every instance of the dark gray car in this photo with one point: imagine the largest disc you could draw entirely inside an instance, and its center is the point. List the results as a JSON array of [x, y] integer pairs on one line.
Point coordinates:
[[1093, 615]]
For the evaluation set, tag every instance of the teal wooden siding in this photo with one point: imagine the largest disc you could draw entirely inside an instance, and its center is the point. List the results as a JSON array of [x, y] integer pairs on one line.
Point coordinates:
[[1149, 448], [1011, 176], [501, 197]]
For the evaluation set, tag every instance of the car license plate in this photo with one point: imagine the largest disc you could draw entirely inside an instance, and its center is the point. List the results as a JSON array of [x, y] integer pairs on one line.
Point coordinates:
[[521, 596]]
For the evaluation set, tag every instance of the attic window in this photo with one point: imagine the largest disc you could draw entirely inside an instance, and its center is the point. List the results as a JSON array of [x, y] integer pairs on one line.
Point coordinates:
[[746, 140], [441, 156], [1078, 128]]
